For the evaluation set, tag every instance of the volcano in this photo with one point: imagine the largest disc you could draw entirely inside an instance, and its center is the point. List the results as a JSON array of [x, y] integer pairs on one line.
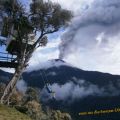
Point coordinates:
[[76, 90]]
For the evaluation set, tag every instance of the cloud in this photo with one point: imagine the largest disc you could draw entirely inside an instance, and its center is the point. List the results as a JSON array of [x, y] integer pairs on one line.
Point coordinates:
[[77, 5], [92, 40], [73, 91], [48, 64], [52, 73], [43, 54], [51, 51], [10, 70], [21, 86]]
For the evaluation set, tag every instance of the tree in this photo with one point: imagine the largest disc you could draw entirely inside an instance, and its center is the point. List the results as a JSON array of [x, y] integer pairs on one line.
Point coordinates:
[[31, 94], [43, 18], [57, 115]]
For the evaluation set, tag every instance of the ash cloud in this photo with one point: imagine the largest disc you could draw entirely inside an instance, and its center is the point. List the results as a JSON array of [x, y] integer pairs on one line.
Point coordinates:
[[92, 40]]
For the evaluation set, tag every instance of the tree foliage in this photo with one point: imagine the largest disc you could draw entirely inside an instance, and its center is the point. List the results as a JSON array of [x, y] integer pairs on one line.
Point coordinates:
[[42, 19], [29, 104]]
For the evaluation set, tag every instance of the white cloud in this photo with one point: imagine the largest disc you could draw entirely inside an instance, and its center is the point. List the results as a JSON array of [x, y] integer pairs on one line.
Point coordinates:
[[70, 91], [10, 70], [52, 73], [74, 5], [43, 54], [21, 86], [95, 45]]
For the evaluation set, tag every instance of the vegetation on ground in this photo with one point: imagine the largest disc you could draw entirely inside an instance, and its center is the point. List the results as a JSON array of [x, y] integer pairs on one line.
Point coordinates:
[[7, 113], [27, 106]]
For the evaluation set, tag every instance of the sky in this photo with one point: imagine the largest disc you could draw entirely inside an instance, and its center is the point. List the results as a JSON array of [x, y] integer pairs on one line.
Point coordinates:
[[91, 42], [51, 51]]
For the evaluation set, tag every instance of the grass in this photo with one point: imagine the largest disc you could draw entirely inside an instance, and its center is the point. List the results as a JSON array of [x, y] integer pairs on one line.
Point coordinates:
[[7, 113]]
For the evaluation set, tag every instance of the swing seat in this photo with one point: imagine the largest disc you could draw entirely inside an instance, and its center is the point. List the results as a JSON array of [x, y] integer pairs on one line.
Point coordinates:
[[53, 95], [48, 89]]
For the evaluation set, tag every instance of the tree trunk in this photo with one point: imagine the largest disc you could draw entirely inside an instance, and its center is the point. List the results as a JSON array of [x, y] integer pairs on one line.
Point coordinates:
[[11, 85]]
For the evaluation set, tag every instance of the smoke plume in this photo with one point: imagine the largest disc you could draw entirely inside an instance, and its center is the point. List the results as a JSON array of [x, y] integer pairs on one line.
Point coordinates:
[[92, 40]]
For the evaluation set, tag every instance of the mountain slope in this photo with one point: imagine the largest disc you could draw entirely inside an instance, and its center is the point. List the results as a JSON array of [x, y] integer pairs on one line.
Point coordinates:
[[77, 90], [64, 73]]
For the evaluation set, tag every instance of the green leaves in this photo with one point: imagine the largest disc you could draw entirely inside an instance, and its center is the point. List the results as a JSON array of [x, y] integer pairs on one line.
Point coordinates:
[[43, 17], [48, 16]]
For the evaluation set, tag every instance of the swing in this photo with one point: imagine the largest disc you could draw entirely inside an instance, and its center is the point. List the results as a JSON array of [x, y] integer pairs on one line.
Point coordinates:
[[50, 91], [47, 85]]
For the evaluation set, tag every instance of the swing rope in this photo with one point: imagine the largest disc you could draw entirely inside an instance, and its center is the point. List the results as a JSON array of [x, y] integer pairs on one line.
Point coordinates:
[[46, 81]]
